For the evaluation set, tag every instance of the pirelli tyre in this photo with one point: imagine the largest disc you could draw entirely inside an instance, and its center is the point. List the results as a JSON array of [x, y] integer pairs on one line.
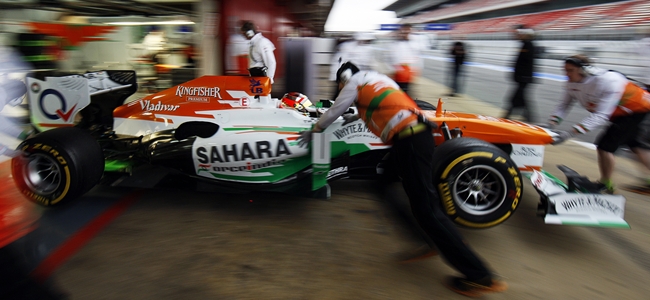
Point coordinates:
[[479, 185], [58, 165]]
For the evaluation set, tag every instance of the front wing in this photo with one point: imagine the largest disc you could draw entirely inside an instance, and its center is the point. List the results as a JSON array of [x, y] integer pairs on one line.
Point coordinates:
[[561, 207]]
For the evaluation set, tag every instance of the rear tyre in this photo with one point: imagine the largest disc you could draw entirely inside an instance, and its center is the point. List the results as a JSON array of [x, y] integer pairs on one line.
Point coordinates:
[[479, 185], [58, 165]]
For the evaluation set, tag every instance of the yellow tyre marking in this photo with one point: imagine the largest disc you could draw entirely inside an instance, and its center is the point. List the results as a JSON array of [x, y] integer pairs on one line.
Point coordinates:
[[447, 199], [482, 225], [67, 187], [463, 157], [50, 150]]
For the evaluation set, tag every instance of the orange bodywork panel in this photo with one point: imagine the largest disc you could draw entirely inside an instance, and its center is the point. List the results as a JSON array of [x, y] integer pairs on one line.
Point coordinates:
[[490, 129], [201, 94]]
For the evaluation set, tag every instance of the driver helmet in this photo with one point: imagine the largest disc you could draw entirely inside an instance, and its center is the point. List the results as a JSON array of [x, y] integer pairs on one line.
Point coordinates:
[[295, 100]]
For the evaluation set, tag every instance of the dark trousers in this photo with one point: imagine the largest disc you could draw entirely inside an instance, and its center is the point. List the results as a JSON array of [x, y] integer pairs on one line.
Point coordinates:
[[628, 129], [257, 72], [518, 100], [415, 162], [455, 78], [405, 87]]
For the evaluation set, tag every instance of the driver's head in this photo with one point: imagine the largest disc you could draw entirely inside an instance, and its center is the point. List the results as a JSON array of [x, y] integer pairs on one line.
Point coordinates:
[[345, 72]]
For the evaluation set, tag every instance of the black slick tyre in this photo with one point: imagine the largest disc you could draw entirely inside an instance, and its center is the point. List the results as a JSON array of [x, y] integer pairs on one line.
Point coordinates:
[[479, 184], [58, 165]]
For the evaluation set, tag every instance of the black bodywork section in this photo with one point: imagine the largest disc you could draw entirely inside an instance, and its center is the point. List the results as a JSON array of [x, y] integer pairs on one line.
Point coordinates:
[[100, 109]]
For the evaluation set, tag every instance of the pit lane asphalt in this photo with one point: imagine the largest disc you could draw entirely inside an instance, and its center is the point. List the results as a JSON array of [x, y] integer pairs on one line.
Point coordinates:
[[176, 243]]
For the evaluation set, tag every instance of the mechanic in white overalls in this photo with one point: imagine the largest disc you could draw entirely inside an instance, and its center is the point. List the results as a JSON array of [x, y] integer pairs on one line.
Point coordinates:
[[358, 51], [12, 91], [403, 58], [261, 60], [610, 97], [394, 117]]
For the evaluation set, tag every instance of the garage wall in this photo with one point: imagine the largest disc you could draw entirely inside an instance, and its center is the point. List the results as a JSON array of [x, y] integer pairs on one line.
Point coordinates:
[[272, 20]]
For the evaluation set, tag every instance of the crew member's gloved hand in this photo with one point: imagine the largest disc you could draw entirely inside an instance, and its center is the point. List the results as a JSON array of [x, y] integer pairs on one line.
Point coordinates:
[[304, 138], [561, 137], [349, 118]]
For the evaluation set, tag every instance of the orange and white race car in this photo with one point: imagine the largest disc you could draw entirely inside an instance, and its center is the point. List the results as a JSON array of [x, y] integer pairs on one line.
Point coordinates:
[[229, 131]]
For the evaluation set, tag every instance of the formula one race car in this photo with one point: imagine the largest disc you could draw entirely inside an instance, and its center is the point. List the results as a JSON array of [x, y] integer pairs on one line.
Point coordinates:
[[227, 130]]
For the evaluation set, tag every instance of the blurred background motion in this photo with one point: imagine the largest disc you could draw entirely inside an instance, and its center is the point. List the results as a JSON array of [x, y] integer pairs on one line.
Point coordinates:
[[171, 41], [168, 42]]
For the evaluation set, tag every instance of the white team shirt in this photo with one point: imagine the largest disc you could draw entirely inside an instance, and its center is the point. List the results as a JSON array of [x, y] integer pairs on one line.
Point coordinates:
[[348, 94], [599, 94], [361, 55], [261, 55], [237, 45], [404, 53]]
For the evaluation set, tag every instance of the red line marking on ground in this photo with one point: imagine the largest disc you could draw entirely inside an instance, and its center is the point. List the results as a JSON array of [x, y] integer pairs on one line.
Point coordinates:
[[82, 237]]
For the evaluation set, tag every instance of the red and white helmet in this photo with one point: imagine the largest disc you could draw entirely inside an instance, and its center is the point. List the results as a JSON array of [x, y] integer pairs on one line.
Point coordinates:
[[296, 101]]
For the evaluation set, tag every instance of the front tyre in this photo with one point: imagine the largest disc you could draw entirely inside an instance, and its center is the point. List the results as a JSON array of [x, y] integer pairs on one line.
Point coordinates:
[[58, 165], [479, 185]]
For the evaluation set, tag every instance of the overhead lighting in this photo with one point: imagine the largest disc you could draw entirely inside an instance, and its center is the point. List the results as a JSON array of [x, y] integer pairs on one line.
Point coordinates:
[[151, 23]]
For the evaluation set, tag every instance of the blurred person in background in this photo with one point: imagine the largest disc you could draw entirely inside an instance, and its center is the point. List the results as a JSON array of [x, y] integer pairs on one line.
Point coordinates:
[[18, 216], [357, 51], [154, 43], [261, 60], [404, 62], [360, 53], [11, 93], [12, 90], [523, 74], [394, 117], [458, 54], [237, 48], [610, 98], [189, 51]]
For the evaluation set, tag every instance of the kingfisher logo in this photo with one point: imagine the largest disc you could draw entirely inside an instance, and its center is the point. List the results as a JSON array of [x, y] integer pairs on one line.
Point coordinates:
[[198, 91], [256, 86], [60, 107]]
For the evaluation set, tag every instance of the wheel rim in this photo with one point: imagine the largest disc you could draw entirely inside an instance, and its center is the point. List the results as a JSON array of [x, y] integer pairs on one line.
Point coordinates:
[[479, 190], [42, 174]]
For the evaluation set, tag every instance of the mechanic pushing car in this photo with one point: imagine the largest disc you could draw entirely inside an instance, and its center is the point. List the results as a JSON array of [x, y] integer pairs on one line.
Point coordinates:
[[390, 114], [608, 96], [261, 60]]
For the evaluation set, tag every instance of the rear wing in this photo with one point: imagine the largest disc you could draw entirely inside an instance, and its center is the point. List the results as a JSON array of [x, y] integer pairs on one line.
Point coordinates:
[[82, 100]]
